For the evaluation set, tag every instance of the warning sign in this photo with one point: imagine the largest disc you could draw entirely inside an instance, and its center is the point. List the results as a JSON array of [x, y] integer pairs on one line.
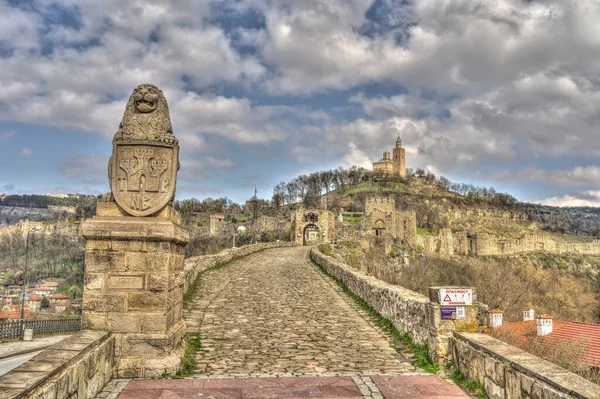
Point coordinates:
[[456, 296]]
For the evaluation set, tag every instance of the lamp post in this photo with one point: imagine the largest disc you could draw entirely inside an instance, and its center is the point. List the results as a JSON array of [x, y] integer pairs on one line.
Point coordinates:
[[24, 293]]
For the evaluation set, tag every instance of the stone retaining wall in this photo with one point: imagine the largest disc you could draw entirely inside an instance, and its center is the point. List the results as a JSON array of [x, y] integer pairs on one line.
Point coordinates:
[[509, 372], [78, 366], [406, 309], [197, 264]]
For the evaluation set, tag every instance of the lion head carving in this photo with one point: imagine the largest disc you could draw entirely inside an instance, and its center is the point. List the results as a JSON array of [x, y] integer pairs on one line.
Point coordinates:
[[146, 117]]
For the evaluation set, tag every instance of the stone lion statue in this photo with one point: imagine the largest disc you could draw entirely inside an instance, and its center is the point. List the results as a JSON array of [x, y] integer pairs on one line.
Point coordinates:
[[146, 117]]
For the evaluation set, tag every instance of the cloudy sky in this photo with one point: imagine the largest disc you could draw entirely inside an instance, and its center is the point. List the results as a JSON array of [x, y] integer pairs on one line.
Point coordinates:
[[503, 93]]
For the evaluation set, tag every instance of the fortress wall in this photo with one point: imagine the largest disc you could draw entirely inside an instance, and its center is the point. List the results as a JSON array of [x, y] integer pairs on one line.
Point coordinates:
[[443, 244], [267, 223], [460, 243], [218, 226], [457, 214], [347, 231], [407, 226], [406, 309], [489, 245], [62, 227], [584, 248], [509, 372], [76, 367], [197, 264]]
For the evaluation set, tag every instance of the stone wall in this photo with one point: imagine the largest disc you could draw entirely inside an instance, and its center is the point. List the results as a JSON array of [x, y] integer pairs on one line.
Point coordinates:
[[78, 366], [485, 244], [407, 226], [461, 214], [509, 372], [347, 231], [406, 309], [61, 227], [447, 243], [218, 226], [442, 244], [197, 264], [267, 223], [461, 243]]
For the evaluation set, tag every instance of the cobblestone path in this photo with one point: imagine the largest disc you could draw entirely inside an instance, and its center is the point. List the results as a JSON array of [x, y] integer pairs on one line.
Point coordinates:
[[274, 313]]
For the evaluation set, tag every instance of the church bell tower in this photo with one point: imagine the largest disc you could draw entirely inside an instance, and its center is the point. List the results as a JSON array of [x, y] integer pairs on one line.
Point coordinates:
[[399, 158]]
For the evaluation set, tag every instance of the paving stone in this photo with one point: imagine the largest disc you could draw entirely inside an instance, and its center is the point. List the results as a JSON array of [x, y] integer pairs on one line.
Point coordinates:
[[273, 312]]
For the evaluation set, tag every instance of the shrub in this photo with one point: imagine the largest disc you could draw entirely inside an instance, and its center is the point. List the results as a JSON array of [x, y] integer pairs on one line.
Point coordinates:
[[325, 249]]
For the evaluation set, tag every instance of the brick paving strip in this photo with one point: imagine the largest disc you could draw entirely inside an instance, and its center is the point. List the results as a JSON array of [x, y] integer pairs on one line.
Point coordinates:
[[275, 317], [370, 387]]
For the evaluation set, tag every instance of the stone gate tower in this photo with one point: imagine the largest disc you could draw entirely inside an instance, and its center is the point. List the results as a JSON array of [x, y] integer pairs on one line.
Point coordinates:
[[133, 283]]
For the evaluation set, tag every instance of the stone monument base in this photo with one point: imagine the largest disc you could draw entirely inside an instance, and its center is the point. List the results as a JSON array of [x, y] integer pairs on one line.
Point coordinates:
[[133, 287]]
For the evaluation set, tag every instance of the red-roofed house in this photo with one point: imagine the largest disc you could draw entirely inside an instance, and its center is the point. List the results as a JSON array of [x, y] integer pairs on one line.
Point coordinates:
[[14, 289], [14, 312], [544, 329], [42, 290], [8, 299], [34, 302], [59, 302], [52, 285]]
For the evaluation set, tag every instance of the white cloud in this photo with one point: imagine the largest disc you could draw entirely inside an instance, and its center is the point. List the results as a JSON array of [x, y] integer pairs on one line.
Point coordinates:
[[18, 29], [579, 176], [488, 81], [85, 87], [6, 135], [26, 152], [587, 198], [355, 157], [194, 169]]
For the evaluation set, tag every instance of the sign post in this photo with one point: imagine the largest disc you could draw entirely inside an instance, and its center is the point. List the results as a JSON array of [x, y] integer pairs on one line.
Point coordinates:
[[450, 309]]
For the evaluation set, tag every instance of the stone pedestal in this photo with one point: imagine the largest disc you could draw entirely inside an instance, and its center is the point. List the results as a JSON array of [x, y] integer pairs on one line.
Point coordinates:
[[133, 287], [445, 317]]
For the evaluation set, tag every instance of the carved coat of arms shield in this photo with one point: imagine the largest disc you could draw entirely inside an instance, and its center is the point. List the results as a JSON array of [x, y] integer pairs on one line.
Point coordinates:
[[143, 175]]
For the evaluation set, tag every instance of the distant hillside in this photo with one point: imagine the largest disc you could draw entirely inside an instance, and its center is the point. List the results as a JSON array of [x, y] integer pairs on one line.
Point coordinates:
[[43, 207], [440, 203], [437, 207]]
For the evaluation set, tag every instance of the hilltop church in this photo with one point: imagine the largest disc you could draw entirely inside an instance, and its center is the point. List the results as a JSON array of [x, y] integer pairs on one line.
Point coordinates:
[[395, 165]]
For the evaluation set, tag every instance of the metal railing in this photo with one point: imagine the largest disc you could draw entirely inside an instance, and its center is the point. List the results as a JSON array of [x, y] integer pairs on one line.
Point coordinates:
[[10, 329]]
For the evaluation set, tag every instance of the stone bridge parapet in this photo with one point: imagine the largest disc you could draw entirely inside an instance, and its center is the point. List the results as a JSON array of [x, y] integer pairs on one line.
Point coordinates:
[[78, 366], [509, 372], [406, 309]]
